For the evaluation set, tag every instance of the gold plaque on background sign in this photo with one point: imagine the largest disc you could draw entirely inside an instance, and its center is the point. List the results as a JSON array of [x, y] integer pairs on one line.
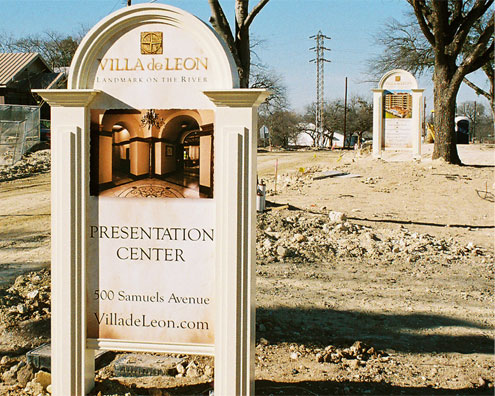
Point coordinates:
[[151, 43], [397, 78]]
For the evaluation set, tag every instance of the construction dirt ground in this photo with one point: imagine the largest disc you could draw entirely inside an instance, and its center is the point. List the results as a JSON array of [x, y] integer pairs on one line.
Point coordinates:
[[377, 282]]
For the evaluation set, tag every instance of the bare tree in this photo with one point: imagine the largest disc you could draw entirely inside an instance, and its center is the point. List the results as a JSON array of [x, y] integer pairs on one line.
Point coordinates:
[[405, 47], [481, 121], [55, 48], [447, 26], [360, 118], [283, 127], [272, 111], [488, 67], [308, 125], [269, 79], [333, 120], [237, 41]]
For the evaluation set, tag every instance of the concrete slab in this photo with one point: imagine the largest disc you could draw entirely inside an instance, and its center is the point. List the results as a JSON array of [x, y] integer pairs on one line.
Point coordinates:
[[140, 365]]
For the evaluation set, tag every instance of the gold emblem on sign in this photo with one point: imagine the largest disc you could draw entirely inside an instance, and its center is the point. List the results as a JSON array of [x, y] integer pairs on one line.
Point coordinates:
[[397, 78], [151, 43]]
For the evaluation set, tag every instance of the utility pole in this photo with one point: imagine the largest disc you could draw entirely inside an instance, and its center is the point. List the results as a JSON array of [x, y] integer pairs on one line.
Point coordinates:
[[320, 60], [345, 114], [129, 2]]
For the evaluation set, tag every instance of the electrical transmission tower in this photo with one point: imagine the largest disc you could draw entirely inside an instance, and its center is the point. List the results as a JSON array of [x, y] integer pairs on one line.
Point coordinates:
[[320, 60]]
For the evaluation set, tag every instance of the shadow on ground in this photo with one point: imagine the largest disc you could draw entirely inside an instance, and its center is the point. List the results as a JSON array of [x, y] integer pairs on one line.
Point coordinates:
[[414, 333], [10, 271], [310, 388]]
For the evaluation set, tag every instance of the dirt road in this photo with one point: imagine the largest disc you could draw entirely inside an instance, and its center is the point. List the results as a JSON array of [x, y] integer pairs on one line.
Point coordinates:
[[24, 226]]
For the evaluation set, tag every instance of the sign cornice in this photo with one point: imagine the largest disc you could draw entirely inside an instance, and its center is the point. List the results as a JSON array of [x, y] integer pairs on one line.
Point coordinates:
[[67, 97], [242, 97]]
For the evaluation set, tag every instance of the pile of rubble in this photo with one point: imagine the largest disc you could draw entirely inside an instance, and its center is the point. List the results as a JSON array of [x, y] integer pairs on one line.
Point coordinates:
[[357, 355], [30, 164], [292, 180], [21, 379], [304, 237], [27, 299]]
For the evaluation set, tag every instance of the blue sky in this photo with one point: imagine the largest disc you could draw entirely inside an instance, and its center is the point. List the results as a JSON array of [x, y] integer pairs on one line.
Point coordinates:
[[283, 28]]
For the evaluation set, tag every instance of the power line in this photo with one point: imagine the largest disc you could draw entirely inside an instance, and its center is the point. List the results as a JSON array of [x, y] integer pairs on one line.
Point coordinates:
[[320, 60]]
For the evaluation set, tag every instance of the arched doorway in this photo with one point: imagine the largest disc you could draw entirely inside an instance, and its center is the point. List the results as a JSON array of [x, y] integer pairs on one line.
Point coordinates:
[[190, 154], [178, 159], [121, 159]]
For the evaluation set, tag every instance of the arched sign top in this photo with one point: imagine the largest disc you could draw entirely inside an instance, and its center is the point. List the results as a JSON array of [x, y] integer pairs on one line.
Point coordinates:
[[152, 56], [398, 79]]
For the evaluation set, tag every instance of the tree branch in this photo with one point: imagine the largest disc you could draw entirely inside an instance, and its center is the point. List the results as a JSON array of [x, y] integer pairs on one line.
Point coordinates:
[[420, 10], [440, 23], [482, 51], [222, 27], [476, 62], [456, 14], [476, 89], [481, 60], [467, 22], [256, 9]]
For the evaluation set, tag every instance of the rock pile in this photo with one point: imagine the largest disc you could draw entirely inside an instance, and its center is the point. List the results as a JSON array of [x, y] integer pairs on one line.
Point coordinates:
[[355, 356], [292, 180], [20, 378], [28, 298], [30, 164], [304, 237], [26, 301]]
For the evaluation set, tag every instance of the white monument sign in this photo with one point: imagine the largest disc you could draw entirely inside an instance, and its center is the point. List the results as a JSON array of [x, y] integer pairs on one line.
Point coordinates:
[[153, 199], [397, 113]]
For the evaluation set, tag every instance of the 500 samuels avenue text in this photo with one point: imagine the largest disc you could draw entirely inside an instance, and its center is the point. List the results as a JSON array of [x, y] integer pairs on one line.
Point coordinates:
[[156, 297]]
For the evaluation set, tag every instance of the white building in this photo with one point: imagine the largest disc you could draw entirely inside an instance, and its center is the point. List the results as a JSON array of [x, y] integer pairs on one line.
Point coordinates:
[[304, 138]]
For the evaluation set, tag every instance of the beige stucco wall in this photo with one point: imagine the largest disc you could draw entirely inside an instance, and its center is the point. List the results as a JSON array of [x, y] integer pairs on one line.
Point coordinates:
[[105, 156], [205, 161], [140, 158], [164, 164]]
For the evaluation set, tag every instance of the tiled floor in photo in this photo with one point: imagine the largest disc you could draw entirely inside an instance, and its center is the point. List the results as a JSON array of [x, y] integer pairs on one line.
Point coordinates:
[[151, 188]]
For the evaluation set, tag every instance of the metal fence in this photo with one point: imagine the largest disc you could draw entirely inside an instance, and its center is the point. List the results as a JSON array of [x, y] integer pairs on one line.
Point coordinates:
[[19, 131]]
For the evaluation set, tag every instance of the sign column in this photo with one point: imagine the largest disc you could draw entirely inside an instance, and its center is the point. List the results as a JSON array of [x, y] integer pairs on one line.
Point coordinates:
[[235, 183], [417, 111], [377, 122], [72, 363]]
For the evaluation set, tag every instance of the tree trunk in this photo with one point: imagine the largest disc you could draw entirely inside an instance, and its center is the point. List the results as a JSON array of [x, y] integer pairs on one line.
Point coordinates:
[[444, 98], [242, 42], [244, 52]]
